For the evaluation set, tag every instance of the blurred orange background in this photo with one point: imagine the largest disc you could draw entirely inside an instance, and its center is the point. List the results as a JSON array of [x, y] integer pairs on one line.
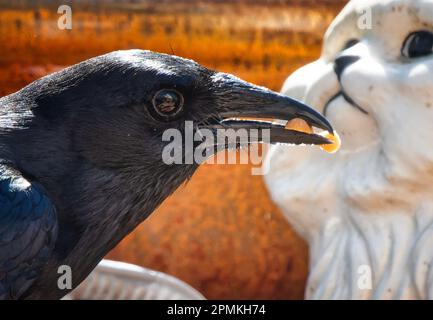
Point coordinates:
[[220, 233]]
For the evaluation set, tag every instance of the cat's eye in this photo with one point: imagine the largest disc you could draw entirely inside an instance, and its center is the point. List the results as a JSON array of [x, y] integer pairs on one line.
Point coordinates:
[[350, 43], [418, 44]]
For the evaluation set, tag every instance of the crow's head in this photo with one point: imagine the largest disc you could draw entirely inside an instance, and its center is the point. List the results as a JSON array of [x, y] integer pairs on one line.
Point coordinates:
[[110, 113]]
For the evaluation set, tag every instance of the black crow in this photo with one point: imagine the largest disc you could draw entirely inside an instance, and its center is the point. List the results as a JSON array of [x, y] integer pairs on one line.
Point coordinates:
[[80, 156]]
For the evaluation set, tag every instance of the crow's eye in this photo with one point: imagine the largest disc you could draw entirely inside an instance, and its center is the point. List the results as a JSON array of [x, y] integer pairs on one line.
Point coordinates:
[[167, 103], [418, 44]]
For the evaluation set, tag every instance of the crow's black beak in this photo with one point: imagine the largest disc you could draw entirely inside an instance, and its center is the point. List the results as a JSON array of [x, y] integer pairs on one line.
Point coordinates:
[[239, 101]]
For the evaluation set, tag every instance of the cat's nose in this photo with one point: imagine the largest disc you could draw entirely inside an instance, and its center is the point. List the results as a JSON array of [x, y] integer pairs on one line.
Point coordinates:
[[342, 62]]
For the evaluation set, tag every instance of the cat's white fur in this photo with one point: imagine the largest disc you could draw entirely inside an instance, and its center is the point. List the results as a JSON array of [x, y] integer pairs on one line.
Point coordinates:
[[367, 211]]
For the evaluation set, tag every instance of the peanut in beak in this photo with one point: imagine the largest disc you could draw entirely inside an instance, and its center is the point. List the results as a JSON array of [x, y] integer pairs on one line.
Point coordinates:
[[334, 138], [301, 125]]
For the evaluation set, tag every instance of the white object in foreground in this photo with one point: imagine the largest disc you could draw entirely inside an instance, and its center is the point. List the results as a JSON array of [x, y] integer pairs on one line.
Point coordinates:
[[112, 280]]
